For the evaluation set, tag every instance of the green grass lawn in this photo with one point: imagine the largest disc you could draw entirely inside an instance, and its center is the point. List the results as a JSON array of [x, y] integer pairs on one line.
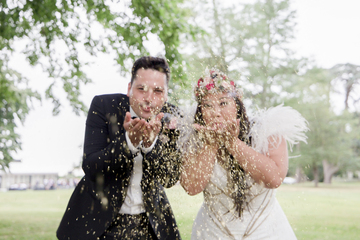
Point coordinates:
[[326, 212]]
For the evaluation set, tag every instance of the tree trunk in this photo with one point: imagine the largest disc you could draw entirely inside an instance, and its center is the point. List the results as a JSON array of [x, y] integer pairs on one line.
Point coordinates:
[[316, 175], [329, 170], [299, 175]]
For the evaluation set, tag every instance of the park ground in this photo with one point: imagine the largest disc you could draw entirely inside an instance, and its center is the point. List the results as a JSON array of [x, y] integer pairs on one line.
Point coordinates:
[[326, 212]]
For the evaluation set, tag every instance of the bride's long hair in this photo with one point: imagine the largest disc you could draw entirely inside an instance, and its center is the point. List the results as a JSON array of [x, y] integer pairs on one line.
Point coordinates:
[[237, 176]]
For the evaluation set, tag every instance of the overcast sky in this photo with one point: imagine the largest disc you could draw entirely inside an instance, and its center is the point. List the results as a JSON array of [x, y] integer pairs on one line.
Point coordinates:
[[327, 31]]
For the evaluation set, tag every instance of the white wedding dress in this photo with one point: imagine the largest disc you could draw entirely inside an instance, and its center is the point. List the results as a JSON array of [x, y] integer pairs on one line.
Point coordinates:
[[263, 218]]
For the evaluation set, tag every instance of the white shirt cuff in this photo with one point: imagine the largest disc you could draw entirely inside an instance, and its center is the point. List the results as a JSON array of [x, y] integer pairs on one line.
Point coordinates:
[[130, 145], [146, 150]]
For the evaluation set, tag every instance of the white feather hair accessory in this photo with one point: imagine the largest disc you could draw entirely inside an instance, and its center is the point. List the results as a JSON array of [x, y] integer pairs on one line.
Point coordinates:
[[277, 122]]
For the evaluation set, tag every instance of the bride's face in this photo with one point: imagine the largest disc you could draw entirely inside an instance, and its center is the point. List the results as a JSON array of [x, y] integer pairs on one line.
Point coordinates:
[[217, 108]]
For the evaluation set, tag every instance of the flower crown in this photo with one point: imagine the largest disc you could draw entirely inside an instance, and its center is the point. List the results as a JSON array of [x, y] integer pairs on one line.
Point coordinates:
[[214, 81]]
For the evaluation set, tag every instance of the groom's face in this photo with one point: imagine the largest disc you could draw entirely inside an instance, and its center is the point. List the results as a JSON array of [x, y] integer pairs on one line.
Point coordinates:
[[148, 92]]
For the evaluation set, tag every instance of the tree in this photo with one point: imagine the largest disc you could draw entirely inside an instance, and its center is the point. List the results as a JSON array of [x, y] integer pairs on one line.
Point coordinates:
[[250, 43], [13, 103], [348, 77], [271, 63], [60, 35], [346, 85], [329, 138]]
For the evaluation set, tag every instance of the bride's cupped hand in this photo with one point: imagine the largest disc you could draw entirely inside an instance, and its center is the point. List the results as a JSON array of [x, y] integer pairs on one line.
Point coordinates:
[[221, 134], [206, 133], [230, 133], [231, 129]]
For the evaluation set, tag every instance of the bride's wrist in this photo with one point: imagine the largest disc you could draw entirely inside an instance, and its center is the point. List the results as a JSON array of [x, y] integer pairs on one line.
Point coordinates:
[[231, 143]]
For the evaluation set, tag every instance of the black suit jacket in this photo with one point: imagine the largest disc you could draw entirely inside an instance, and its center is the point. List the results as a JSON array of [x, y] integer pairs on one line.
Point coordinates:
[[108, 163]]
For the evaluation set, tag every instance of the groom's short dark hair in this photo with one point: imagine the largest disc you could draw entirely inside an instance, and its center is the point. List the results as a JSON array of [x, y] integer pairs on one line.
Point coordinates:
[[148, 62]]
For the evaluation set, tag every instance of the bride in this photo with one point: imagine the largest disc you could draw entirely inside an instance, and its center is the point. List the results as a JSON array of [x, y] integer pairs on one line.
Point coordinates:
[[237, 163]]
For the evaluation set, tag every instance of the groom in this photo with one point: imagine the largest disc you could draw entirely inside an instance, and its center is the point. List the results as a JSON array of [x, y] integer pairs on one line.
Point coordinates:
[[129, 157]]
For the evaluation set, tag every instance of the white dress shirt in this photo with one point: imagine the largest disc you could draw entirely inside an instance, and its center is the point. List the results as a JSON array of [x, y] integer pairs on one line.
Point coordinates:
[[133, 203]]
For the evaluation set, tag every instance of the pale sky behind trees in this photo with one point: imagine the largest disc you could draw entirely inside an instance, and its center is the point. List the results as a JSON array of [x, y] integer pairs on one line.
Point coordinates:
[[327, 32]]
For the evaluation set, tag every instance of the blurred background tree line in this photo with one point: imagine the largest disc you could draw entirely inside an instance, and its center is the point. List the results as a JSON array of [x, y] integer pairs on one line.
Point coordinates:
[[249, 42]]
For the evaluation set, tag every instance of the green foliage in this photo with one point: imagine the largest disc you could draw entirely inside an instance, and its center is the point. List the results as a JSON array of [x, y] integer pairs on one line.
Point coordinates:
[[250, 44], [62, 35], [346, 84], [347, 77], [269, 27], [14, 100], [331, 135]]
